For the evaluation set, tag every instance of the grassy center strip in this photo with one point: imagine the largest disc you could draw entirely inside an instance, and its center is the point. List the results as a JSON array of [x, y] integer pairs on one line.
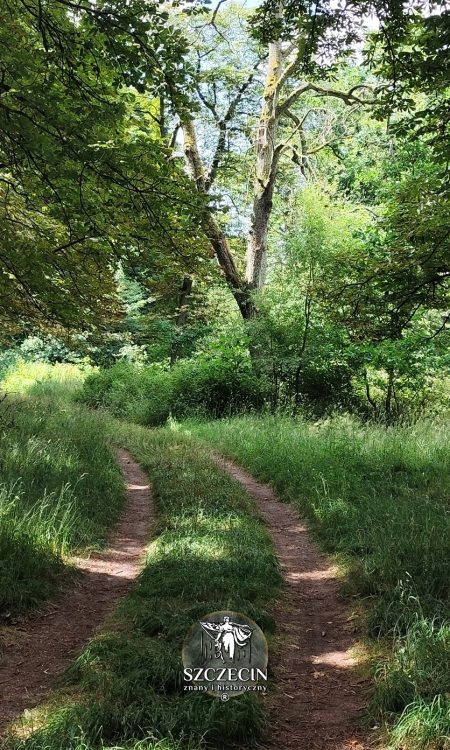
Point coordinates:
[[212, 553]]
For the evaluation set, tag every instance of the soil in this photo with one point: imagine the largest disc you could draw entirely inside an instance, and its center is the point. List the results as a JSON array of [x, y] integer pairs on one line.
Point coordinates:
[[320, 693], [36, 653]]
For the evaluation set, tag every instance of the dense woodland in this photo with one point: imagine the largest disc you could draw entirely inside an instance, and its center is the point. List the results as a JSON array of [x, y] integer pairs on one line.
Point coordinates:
[[263, 199], [228, 221]]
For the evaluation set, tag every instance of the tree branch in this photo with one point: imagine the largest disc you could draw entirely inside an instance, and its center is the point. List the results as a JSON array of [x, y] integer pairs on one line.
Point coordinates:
[[220, 148], [348, 97]]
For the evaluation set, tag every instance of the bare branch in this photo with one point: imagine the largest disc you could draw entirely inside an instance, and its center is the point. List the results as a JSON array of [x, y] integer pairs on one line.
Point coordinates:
[[349, 97], [326, 144], [209, 105], [442, 327], [215, 12]]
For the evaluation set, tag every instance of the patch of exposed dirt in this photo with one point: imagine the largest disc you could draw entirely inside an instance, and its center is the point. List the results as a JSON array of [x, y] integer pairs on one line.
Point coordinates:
[[319, 693], [41, 648]]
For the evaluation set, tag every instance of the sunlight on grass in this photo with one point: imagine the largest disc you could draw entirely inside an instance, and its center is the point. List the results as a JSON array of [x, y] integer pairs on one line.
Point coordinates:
[[212, 553], [60, 493], [377, 498], [42, 378]]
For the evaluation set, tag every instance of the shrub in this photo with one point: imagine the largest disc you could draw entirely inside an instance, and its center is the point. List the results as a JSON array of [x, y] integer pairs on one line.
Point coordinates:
[[214, 385], [217, 386], [140, 394]]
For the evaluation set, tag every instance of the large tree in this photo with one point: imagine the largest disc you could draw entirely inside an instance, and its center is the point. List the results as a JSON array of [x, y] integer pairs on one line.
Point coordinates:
[[272, 99], [278, 77]]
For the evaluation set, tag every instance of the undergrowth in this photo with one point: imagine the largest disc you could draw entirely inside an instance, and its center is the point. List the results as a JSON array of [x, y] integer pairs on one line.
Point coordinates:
[[60, 492]]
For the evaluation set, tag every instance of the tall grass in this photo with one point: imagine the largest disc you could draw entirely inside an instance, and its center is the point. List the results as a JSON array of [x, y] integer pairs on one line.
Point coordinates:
[[379, 498], [212, 553], [25, 377], [60, 492]]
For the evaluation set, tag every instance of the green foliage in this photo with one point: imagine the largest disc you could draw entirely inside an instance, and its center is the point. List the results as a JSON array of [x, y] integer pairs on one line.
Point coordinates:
[[416, 671], [374, 493], [303, 351], [402, 268], [410, 56], [42, 378], [85, 174], [219, 382], [99, 232], [355, 310], [423, 726], [324, 35], [142, 395], [212, 553], [215, 383]]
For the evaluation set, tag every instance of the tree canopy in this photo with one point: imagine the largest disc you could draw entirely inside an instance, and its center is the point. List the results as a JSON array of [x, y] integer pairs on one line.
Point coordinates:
[[87, 180], [167, 168]]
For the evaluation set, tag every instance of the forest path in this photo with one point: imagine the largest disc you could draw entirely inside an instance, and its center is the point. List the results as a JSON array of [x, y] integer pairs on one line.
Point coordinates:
[[40, 650], [319, 695]]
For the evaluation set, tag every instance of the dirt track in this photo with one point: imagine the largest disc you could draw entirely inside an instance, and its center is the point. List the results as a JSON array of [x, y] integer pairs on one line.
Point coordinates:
[[319, 695], [39, 651]]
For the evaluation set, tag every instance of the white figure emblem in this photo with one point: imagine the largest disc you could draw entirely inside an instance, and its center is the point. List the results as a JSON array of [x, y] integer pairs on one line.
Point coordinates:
[[227, 636]]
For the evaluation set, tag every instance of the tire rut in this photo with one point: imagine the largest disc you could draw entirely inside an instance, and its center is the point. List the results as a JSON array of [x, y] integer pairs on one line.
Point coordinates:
[[319, 694], [43, 647]]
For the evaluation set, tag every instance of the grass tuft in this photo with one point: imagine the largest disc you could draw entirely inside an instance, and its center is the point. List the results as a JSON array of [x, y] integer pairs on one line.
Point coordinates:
[[60, 493]]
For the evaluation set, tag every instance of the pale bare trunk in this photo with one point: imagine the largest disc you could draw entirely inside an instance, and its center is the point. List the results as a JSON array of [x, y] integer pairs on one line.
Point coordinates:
[[265, 172], [282, 67], [267, 157]]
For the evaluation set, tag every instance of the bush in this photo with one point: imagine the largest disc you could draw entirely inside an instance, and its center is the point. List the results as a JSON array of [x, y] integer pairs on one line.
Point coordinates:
[[212, 385], [140, 394], [215, 385]]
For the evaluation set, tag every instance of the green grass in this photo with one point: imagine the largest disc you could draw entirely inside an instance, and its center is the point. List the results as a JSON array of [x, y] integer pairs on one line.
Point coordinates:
[[60, 493], [379, 499], [376, 497], [61, 379], [212, 553]]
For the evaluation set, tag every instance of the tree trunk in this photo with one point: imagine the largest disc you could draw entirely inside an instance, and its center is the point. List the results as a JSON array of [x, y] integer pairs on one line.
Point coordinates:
[[239, 289], [367, 387], [267, 157], [265, 172], [282, 66], [389, 393], [185, 293], [211, 227]]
